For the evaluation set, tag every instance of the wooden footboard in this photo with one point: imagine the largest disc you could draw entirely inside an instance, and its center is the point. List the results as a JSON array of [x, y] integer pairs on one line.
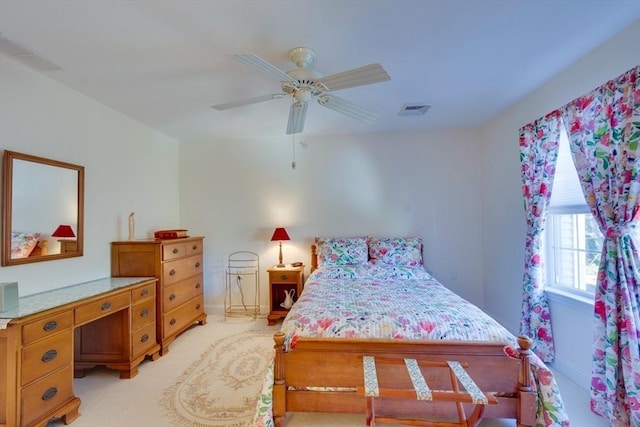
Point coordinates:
[[323, 375]]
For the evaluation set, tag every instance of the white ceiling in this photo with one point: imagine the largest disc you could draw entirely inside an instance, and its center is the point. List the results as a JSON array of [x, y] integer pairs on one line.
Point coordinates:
[[165, 62]]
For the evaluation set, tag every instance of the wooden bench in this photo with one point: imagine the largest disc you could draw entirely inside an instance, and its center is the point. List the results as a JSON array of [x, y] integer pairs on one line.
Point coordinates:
[[421, 391]]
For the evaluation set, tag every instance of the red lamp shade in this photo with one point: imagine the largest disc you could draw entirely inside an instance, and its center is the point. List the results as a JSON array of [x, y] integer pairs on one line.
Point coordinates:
[[64, 230], [280, 234]]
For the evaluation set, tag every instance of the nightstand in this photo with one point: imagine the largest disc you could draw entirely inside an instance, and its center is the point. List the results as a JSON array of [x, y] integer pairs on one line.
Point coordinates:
[[281, 281], [68, 246]]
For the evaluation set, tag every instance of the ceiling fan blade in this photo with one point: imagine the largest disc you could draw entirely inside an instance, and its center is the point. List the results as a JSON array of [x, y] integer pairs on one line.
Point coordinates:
[[372, 73], [248, 101], [261, 65], [348, 108], [297, 114]]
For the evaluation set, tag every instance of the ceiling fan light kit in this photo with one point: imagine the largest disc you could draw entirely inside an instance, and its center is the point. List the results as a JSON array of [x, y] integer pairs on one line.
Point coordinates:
[[304, 84]]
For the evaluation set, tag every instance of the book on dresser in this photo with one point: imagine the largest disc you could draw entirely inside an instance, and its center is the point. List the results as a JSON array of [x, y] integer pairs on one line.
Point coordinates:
[[170, 234], [177, 264]]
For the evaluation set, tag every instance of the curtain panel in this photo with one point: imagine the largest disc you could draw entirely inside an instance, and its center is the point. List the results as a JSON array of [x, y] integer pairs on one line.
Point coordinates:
[[604, 134], [538, 156]]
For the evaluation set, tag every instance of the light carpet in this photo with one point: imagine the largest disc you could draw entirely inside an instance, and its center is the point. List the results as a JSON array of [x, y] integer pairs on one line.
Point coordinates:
[[221, 388]]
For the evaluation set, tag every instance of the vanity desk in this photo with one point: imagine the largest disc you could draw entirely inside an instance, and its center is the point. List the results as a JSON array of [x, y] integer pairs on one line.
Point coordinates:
[[55, 335]]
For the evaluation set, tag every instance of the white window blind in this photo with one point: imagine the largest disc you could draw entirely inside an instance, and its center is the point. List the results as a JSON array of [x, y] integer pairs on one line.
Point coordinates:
[[566, 195]]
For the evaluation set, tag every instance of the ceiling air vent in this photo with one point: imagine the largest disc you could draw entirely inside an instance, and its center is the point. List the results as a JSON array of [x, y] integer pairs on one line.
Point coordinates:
[[414, 109]]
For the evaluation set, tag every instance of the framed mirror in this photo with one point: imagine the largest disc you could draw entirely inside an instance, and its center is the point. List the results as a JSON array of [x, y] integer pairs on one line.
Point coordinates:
[[42, 209]]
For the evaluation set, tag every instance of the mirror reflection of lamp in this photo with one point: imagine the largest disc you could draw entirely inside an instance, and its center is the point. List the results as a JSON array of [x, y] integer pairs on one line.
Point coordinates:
[[280, 234], [66, 245]]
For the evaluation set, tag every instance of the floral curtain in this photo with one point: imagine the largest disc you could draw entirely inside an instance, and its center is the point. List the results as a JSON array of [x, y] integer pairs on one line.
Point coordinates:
[[538, 155], [604, 132]]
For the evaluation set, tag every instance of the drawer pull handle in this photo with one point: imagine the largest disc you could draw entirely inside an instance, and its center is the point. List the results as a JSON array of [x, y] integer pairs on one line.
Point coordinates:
[[175, 250], [106, 306], [144, 292], [50, 393], [49, 356], [194, 247], [144, 338], [172, 322], [50, 326], [172, 272], [284, 277], [144, 312], [198, 285], [172, 297], [197, 264], [198, 307]]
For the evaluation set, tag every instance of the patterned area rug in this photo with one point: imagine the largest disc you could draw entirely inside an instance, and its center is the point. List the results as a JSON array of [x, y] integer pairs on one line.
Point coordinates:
[[222, 387]]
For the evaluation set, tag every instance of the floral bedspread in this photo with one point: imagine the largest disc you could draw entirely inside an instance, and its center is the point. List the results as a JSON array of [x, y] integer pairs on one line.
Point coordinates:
[[372, 301]]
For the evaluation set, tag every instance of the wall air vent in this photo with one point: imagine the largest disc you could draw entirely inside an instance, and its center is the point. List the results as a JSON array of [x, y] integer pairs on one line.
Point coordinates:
[[414, 109], [25, 55]]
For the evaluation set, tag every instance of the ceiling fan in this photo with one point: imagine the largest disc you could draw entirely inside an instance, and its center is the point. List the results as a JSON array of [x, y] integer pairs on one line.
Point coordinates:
[[304, 84]]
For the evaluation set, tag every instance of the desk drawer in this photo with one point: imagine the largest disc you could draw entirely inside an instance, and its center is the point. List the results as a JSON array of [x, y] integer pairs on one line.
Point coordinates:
[[177, 270], [143, 339], [179, 293], [176, 320], [46, 356], [102, 307], [142, 313], [47, 394], [46, 326], [147, 291]]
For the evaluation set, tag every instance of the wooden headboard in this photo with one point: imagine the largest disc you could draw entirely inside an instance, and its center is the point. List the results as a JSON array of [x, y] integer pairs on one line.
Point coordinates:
[[314, 259]]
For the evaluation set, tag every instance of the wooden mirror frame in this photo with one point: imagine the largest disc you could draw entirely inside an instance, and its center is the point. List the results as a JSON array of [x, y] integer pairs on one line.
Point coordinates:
[[7, 208]]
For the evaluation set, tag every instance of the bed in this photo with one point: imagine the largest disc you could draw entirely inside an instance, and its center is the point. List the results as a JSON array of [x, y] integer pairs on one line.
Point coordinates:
[[25, 245], [373, 297]]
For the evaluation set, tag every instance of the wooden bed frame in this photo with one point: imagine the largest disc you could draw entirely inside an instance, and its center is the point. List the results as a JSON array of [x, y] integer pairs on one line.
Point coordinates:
[[302, 375]]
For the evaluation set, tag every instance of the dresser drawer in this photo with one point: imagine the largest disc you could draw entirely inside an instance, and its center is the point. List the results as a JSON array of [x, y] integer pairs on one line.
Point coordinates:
[[47, 394], [46, 356], [176, 320], [194, 248], [46, 326], [102, 307], [175, 271], [173, 251], [283, 277], [143, 339], [179, 293], [142, 313], [147, 291]]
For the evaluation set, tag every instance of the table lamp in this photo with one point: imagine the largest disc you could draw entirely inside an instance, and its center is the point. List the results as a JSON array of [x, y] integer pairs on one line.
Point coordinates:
[[280, 234], [63, 230]]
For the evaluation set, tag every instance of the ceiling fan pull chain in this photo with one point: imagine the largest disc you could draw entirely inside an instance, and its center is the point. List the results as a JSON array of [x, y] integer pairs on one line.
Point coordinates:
[[293, 147]]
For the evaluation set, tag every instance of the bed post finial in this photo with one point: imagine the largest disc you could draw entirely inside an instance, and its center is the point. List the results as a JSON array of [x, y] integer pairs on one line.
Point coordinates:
[[526, 410], [524, 349], [279, 401]]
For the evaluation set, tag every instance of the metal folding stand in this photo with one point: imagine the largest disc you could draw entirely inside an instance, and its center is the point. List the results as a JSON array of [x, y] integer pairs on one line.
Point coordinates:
[[242, 285]]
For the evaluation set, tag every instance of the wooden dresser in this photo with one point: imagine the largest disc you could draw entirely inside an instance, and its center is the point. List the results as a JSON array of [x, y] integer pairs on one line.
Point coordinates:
[[51, 335], [177, 263]]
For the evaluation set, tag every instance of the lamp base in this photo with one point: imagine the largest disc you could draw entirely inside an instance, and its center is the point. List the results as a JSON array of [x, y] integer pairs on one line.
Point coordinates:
[[280, 266]]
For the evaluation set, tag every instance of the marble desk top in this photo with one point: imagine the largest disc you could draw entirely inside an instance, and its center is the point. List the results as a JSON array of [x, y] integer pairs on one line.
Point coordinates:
[[35, 303]]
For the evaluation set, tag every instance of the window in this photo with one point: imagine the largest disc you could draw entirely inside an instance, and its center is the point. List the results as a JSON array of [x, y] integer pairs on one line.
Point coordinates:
[[572, 239]]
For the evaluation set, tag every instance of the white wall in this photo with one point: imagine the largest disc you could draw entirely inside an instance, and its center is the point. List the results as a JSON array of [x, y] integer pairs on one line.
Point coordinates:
[[128, 167], [427, 184], [503, 222]]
